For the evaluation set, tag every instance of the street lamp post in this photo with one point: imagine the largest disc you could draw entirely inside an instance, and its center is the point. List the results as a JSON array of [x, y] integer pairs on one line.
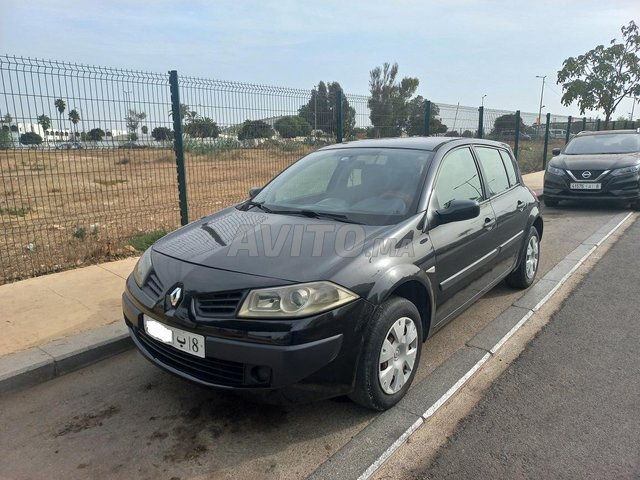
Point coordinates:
[[482, 103], [541, 96]]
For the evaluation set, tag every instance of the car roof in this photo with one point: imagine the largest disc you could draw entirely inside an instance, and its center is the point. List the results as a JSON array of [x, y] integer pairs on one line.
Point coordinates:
[[416, 143], [607, 132]]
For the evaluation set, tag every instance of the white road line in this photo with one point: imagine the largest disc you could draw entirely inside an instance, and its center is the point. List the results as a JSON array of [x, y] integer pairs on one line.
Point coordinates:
[[443, 399]]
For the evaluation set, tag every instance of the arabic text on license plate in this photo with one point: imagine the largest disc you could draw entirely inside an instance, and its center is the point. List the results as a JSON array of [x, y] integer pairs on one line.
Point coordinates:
[[586, 186], [188, 342]]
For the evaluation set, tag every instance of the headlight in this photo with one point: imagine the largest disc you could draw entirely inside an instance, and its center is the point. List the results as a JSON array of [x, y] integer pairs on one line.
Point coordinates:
[[143, 268], [294, 301], [626, 170], [555, 171]]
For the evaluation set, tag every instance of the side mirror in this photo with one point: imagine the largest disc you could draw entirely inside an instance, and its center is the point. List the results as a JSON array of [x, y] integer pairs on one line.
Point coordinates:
[[459, 210], [254, 191], [556, 151]]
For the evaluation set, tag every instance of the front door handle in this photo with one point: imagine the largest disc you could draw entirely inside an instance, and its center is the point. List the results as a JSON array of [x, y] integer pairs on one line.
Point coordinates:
[[520, 206], [489, 223]]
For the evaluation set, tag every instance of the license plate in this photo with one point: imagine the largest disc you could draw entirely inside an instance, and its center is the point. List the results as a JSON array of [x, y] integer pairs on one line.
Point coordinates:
[[586, 186], [188, 342]]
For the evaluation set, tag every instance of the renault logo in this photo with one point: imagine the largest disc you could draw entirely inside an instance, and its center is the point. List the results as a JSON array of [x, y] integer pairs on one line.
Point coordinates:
[[586, 174], [175, 297]]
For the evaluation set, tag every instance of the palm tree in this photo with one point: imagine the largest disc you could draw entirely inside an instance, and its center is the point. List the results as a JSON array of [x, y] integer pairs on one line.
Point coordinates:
[[74, 116], [185, 114], [45, 123], [61, 106]]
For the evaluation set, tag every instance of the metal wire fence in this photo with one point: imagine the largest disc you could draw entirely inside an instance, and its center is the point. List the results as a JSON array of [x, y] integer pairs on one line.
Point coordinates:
[[91, 171]]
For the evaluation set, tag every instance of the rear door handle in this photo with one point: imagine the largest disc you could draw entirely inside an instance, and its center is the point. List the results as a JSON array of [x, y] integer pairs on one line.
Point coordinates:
[[520, 206], [489, 223]]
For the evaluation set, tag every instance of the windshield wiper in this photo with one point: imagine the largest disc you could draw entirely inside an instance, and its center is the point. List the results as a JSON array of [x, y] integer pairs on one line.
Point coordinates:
[[260, 205], [313, 214]]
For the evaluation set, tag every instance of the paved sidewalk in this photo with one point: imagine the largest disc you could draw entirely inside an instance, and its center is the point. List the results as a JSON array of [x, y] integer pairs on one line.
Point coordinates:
[[73, 316]]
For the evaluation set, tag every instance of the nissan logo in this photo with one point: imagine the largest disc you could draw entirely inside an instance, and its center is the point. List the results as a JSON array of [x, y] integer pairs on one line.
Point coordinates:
[[586, 174], [175, 296]]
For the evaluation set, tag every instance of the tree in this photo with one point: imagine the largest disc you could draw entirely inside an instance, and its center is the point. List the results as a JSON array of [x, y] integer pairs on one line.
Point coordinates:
[[292, 126], [506, 122], [202, 127], [145, 130], [7, 119], [415, 120], [5, 139], [74, 116], [30, 138], [161, 134], [133, 119], [61, 106], [389, 101], [255, 129], [186, 113], [95, 134], [602, 77], [321, 113], [45, 122]]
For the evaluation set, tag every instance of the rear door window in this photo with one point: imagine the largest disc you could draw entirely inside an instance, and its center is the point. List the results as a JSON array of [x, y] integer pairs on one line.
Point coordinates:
[[494, 169]]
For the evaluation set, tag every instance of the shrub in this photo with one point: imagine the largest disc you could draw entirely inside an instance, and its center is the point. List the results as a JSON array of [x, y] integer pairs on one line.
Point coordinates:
[[144, 240], [30, 138], [292, 126], [5, 139], [255, 129], [162, 133]]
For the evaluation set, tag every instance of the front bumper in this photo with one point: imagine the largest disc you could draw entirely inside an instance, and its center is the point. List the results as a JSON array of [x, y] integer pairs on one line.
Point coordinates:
[[623, 188], [317, 353]]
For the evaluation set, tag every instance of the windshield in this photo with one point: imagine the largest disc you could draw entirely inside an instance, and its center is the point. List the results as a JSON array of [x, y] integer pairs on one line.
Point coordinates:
[[598, 144], [374, 186]]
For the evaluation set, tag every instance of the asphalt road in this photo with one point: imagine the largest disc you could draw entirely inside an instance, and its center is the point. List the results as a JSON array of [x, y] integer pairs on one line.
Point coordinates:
[[569, 406], [126, 418]]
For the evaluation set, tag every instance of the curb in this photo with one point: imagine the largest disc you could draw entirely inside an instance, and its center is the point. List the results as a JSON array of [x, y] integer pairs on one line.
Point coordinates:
[[366, 452], [39, 364]]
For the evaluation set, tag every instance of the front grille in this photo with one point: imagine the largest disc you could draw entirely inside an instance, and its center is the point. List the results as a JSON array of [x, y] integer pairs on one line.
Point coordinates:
[[209, 370], [222, 304], [594, 174], [154, 286]]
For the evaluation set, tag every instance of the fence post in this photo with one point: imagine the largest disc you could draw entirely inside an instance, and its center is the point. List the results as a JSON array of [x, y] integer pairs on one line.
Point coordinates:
[[480, 121], [177, 142], [517, 139], [597, 124], [566, 138], [584, 123], [339, 116], [427, 118], [546, 142]]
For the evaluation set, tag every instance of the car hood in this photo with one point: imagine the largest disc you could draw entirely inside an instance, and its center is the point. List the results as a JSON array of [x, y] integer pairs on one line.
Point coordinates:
[[595, 162], [286, 247]]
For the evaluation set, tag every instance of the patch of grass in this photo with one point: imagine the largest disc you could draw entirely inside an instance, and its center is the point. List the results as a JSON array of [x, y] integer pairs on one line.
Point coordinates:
[[144, 240], [79, 232], [123, 161], [292, 147], [55, 190], [165, 159], [16, 211], [109, 183]]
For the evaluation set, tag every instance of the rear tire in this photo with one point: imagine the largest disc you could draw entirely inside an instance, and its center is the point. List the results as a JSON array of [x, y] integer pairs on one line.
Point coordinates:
[[390, 355], [523, 276], [549, 202]]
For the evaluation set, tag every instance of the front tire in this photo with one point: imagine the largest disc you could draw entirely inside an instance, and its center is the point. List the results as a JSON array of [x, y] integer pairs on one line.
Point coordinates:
[[390, 355], [523, 276]]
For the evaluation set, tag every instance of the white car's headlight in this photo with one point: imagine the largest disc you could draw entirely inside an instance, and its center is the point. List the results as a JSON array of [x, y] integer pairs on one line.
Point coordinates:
[[555, 171], [293, 301], [626, 170], [143, 268]]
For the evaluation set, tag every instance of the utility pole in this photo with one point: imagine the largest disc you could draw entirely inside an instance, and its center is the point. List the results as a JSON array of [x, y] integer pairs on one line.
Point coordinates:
[[541, 97]]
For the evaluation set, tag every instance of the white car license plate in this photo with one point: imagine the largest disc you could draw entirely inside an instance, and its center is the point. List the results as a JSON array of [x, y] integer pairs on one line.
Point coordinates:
[[586, 186], [188, 342]]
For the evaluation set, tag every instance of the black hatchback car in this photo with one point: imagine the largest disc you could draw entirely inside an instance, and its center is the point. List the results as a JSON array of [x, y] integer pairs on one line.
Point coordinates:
[[596, 166], [328, 280]]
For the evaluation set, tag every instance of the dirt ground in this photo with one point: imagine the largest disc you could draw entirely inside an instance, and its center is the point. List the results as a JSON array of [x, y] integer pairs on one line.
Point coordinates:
[[61, 209]]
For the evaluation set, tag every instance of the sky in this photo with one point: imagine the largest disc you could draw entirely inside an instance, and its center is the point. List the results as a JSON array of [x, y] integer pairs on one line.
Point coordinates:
[[460, 50]]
